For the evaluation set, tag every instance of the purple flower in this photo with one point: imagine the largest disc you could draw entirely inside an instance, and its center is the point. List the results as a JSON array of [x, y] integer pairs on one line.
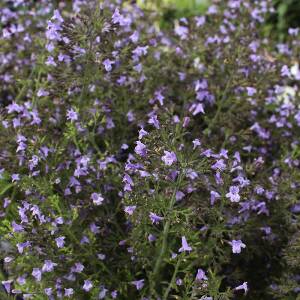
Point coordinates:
[[169, 158], [117, 18], [201, 275], [77, 268], [154, 121], [200, 21], [37, 274], [251, 91], [60, 241], [130, 209], [50, 61], [219, 165], [142, 133], [48, 266], [7, 285], [21, 280], [16, 227], [233, 194], [140, 149], [151, 238], [42, 93], [69, 292], [87, 285], [155, 219], [196, 143], [48, 291], [243, 286], [97, 198], [213, 197], [185, 246], [134, 37], [57, 16], [72, 115], [181, 31], [237, 246], [107, 63], [103, 293], [22, 246], [114, 294], [140, 51], [179, 281], [197, 108], [138, 284], [15, 177], [179, 195]]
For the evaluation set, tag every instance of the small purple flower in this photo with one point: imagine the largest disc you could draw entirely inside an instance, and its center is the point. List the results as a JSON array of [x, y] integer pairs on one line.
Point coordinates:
[[196, 143], [219, 165], [21, 280], [37, 274], [181, 31], [97, 198], [60, 241], [15, 177], [169, 158], [50, 61], [57, 16], [77, 268], [48, 266], [237, 246], [72, 115], [186, 122], [243, 286], [155, 219], [233, 194], [185, 246], [48, 291], [201, 275], [138, 284], [179, 281], [87, 286], [114, 294], [197, 108], [16, 227], [107, 63], [22, 246], [151, 238], [130, 209], [142, 133], [213, 197], [69, 292], [154, 121], [42, 93], [251, 91], [7, 285], [140, 149], [179, 195], [200, 21], [140, 51]]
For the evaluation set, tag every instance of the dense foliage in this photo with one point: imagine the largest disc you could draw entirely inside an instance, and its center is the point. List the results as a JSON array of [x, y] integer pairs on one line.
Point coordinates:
[[140, 162]]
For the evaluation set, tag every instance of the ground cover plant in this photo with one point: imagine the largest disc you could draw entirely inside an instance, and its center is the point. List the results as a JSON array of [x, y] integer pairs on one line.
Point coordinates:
[[141, 161]]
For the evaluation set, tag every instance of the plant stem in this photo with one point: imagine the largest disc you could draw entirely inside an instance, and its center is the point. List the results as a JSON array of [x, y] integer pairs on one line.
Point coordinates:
[[166, 230], [166, 294]]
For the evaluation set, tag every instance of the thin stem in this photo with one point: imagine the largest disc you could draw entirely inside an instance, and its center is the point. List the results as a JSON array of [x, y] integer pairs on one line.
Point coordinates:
[[166, 230], [166, 294]]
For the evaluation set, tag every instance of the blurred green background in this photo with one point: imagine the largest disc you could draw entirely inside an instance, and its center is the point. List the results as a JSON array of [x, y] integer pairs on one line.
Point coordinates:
[[287, 12]]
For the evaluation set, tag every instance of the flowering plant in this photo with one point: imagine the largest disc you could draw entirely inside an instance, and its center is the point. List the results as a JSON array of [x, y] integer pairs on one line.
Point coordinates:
[[146, 163]]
